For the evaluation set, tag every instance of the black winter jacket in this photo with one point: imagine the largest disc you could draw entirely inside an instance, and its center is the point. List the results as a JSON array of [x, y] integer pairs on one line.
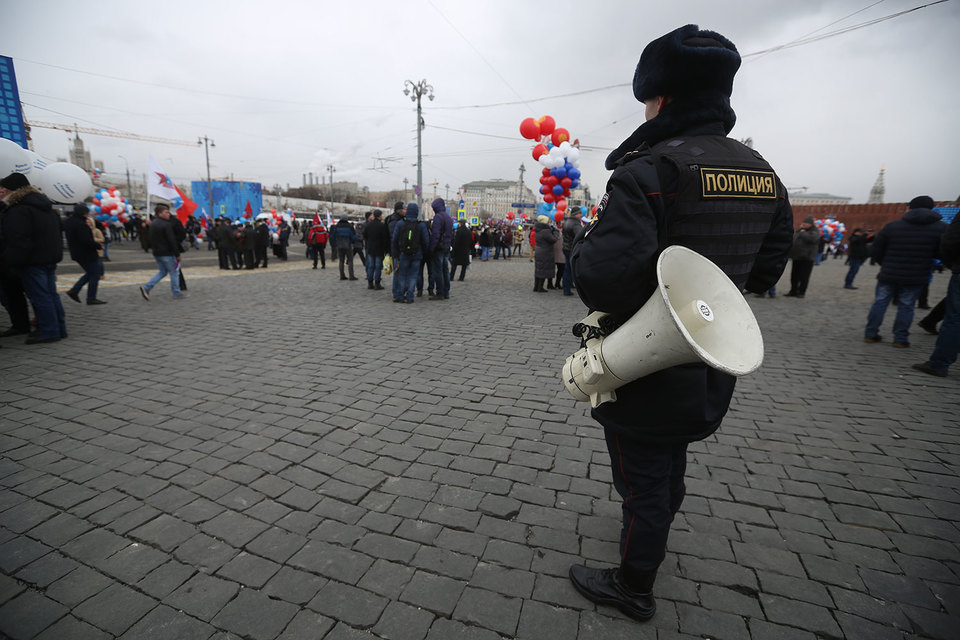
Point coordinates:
[[906, 248], [31, 230], [163, 239], [375, 238], [859, 248], [83, 248], [614, 261], [950, 245]]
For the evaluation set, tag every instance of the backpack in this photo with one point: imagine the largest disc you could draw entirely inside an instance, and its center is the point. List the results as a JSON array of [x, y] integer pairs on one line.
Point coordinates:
[[410, 238]]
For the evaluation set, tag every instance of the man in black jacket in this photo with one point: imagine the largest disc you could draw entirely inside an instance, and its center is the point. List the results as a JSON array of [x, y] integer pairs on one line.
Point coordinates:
[[858, 252], [166, 253], [378, 243], [905, 250], [83, 250], [948, 342], [33, 245], [676, 180]]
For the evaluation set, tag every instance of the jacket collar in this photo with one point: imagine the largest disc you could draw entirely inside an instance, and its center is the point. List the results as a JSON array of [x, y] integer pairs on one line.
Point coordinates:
[[14, 197]]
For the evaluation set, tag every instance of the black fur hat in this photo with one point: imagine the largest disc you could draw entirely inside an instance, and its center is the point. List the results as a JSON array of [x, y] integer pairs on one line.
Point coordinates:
[[686, 61], [14, 181], [922, 202]]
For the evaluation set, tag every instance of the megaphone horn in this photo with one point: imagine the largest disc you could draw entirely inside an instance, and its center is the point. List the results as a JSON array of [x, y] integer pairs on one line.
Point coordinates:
[[697, 314]]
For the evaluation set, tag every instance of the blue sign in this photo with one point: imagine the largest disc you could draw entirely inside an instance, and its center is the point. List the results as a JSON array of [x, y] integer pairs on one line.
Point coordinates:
[[947, 213], [231, 199], [11, 117], [525, 205]]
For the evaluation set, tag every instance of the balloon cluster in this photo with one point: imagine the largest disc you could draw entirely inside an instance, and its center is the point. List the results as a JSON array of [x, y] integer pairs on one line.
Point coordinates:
[[560, 159], [831, 229], [62, 182], [109, 205]]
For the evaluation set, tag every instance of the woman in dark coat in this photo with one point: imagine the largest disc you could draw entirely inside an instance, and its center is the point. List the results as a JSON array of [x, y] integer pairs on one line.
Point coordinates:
[[461, 249], [544, 264]]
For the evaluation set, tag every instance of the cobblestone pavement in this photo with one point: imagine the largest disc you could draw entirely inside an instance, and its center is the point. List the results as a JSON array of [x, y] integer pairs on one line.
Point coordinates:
[[285, 455]]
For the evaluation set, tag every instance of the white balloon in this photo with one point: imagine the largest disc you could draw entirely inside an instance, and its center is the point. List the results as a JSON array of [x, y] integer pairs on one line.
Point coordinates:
[[13, 158], [64, 183], [37, 162], [565, 147]]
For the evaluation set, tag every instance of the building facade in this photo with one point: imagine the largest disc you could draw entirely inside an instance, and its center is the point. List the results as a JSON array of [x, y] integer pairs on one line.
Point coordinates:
[[494, 198]]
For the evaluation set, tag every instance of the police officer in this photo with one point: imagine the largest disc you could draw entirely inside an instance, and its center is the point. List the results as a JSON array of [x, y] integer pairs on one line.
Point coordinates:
[[677, 179]]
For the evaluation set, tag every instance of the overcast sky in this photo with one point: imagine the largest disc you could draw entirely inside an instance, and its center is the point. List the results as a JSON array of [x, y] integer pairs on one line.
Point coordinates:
[[284, 88]]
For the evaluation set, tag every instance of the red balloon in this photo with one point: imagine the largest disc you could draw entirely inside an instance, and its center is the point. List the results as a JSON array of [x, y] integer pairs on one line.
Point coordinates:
[[558, 216], [560, 135], [509, 215], [529, 129], [546, 189], [545, 171], [566, 182], [547, 125], [96, 201], [566, 192], [539, 150], [543, 179], [553, 181], [548, 197], [561, 205]]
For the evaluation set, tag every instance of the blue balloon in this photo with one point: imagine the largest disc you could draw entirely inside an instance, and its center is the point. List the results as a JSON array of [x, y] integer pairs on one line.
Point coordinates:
[[573, 173], [574, 184], [96, 208], [558, 190]]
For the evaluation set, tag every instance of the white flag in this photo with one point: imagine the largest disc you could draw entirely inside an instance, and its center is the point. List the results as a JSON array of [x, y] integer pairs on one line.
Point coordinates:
[[159, 183]]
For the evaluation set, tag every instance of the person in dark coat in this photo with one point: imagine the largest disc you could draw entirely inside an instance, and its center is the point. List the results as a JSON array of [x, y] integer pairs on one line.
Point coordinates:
[[283, 233], [342, 236], [905, 250], [948, 341], [249, 246], [227, 245], [378, 244], [441, 237], [857, 253], [166, 253], [33, 245], [544, 261], [410, 239], [83, 251], [261, 244], [462, 249], [677, 180], [803, 253], [12, 296]]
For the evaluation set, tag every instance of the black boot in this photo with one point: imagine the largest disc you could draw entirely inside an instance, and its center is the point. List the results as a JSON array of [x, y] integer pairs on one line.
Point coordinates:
[[606, 586], [369, 284]]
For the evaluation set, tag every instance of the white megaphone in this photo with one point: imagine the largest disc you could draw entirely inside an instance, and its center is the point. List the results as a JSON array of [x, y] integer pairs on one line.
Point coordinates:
[[697, 314]]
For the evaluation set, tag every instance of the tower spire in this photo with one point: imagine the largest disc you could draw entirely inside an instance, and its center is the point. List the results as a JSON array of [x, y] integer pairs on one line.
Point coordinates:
[[877, 190]]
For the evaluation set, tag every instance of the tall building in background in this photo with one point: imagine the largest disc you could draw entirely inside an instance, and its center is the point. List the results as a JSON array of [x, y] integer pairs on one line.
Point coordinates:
[[877, 190], [494, 198], [79, 155], [11, 115]]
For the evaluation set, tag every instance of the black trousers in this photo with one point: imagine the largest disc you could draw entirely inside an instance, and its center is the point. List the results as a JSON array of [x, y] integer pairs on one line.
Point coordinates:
[[649, 479], [14, 299], [800, 276]]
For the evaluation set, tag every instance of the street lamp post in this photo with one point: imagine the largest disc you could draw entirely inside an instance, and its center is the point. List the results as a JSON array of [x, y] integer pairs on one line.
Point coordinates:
[[418, 89], [207, 143], [129, 189], [331, 169]]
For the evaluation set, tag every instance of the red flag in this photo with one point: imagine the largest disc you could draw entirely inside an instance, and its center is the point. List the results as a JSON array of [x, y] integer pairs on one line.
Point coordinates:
[[316, 219], [187, 208]]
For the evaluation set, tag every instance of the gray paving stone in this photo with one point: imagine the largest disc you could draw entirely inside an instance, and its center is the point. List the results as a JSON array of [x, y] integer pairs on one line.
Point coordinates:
[[356, 607], [202, 596], [28, 614], [115, 609], [205, 553], [489, 610], [164, 623], [70, 627], [403, 622], [307, 625], [254, 615]]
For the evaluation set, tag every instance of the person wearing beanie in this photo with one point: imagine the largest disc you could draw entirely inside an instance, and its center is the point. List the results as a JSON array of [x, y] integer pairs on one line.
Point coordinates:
[[441, 240], [377, 241], [857, 253], [33, 245], [544, 261], [409, 240], [803, 254], [84, 250], [722, 200], [905, 250], [342, 236]]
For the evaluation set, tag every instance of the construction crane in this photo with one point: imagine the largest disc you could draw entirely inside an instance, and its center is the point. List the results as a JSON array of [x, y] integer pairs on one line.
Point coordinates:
[[104, 132]]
